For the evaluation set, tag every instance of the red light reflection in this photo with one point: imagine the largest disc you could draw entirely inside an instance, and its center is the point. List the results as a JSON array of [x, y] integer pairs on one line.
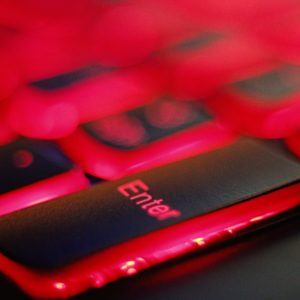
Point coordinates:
[[23, 158]]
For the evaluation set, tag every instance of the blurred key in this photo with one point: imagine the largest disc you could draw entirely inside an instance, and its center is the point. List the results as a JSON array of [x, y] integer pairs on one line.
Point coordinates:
[[201, 64], [266, 105], [39, 113], [159, 133], [33, 172]]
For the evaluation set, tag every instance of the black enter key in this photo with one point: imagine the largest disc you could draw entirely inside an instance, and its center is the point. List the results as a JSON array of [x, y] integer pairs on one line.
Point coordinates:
[[59, 232]]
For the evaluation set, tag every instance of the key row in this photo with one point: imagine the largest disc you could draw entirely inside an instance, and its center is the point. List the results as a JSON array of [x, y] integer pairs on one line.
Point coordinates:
[[37, 171], [44, 42], [264, 102]]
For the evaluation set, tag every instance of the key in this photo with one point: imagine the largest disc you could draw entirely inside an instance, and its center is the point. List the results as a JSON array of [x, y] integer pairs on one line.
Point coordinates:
[[35, 172], [121, 227], [264, 105], [159, 133], [203, 63], [39, 113]]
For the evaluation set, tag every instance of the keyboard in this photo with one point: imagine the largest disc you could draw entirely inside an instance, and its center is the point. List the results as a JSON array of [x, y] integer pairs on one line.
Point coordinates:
[[136, 132]]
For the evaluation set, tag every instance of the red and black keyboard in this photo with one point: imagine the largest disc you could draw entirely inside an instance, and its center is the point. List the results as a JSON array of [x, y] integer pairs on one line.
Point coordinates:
[[134, 132]]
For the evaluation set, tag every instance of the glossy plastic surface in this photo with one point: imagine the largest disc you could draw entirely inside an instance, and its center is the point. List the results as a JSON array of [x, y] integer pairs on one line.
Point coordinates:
[[133, 256], [33, 172], [43, 191]]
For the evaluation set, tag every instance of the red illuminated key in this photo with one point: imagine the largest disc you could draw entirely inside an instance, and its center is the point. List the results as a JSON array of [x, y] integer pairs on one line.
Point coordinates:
[[55, 113], [33, 172], [140, 139], [203, 63], [265, 105], [116, 229]]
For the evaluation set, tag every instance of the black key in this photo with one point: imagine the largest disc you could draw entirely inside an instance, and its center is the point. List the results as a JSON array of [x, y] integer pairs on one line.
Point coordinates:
[[59, 232], [25, 162], [147, 124]]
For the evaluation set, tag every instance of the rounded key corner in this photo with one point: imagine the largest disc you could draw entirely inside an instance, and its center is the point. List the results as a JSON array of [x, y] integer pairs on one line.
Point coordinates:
[[108, 162]]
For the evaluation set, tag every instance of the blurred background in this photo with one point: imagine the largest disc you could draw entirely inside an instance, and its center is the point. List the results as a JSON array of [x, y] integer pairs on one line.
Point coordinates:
[[64, 63]]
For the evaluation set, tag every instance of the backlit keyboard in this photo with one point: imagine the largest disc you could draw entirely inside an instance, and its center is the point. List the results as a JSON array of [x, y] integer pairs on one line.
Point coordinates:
[[134, 132]]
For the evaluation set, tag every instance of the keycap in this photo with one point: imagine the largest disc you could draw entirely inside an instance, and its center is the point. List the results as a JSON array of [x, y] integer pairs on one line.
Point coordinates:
[[265, 104], [120, 227], [201, 64], [33, 172], [159, 133], [39, 113]]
